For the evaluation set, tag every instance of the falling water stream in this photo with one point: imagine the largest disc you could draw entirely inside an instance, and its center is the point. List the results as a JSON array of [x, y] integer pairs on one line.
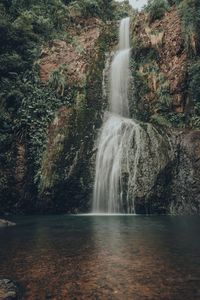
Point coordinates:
[[113, 189]]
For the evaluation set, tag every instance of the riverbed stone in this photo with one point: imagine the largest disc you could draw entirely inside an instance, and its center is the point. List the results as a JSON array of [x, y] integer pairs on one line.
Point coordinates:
[[8, 290], [5, 223]]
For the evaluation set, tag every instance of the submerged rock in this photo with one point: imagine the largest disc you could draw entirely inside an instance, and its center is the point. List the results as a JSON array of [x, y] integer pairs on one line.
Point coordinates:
[[8, 290], [5, 223]]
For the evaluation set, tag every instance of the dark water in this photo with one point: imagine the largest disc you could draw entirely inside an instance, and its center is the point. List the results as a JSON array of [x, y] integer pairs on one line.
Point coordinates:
[[101, 257]]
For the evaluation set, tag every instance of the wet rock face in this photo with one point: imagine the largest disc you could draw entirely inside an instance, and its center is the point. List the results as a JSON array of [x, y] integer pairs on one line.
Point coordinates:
[[186, 176], [149, 157], [153, 174], [8, 290], [156, 156], [174, 187]]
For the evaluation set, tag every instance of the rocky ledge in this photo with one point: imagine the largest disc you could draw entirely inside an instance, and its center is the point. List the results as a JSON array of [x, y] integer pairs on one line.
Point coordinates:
[[8, 290]]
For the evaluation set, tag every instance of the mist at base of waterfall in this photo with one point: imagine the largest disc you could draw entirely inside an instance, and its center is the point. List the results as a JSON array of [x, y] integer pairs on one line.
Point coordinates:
[[106, 214]]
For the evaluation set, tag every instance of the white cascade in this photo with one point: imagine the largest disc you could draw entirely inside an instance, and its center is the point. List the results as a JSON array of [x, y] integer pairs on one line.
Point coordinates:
[[115, 177]]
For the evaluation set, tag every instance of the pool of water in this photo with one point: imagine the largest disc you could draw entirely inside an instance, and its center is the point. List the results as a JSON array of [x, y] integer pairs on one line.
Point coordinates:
[[103, 257]]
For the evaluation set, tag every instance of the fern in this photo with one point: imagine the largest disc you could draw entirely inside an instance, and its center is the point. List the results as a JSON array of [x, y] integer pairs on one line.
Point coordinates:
[[57, 80]]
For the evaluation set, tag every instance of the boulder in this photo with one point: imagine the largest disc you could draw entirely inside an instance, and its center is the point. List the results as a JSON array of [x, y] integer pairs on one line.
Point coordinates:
[[5, 223], [8, 290]]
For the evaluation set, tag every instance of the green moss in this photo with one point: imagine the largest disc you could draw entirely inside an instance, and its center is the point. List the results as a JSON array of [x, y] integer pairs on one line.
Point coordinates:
[[139, 107], [164, 102], [148, 80], [48, 173], [161, 120]]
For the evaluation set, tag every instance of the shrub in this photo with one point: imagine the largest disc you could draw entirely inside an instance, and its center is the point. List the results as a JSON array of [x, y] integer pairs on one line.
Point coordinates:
[[194, 81], [93, 8], [172, 2], [160, 120], [189, 11], [194, 92], [163, 93], [123, 10], [156, 9], [57, 80]]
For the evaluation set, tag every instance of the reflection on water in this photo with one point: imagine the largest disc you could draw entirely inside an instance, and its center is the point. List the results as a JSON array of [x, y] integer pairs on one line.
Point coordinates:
[[103, 257]]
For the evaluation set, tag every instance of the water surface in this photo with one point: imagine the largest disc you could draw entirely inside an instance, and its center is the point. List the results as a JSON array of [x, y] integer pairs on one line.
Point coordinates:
[[103, 257]]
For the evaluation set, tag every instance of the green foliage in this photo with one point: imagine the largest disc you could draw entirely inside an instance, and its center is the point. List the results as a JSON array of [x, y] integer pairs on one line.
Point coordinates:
[[194, 80], [33, 23], [39, 16], [27, 107], [144, 55], [89, 8], [195, 122], [163, 93], [24, 25], [139, 107], [169, 119], [93, 8], [156, 9], [57, 80], [177, 120], [160, 120], [173, 2], [123, 9], [16, 48], [189, 11], [31, 108], [194, 91]]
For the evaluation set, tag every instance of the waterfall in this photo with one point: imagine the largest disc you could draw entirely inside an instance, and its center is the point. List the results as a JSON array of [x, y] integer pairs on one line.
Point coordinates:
[[119, 83], [120, 73], [115, 177], [130, 154]]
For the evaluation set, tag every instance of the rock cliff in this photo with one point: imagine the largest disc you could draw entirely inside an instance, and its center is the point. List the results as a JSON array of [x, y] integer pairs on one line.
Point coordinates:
[[50, 161]]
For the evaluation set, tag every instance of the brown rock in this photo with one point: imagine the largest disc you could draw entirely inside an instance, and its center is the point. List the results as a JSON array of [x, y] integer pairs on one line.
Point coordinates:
[[75, 56]]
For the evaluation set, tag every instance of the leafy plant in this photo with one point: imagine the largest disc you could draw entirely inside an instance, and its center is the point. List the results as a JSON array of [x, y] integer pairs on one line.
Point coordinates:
[[163, 92], [92, 8], [156, 9], [139, 107], [189, 11], [123, 10], [160, 120], [194, 80], [57, 80]]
